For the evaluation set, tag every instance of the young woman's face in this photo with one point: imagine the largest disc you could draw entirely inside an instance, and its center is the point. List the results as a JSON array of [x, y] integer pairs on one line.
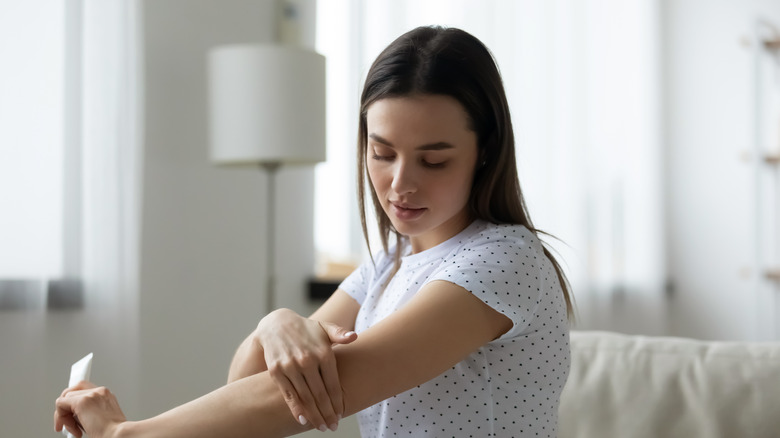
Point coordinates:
[[421, 160]]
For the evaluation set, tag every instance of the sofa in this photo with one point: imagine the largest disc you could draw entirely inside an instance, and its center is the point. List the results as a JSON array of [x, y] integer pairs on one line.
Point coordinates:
[[641, 387]]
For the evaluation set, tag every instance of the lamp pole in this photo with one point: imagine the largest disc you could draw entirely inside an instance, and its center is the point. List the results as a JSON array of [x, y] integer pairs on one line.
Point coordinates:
[[271, 169]]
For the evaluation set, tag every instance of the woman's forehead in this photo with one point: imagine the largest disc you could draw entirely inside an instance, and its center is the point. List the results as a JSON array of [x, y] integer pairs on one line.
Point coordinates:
[[417, 115]]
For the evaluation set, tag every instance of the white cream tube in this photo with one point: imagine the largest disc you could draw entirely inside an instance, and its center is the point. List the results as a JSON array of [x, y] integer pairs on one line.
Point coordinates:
[[78, 372]]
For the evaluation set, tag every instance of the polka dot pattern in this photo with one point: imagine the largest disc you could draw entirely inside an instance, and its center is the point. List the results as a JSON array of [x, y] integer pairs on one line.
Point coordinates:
[[511, 386]]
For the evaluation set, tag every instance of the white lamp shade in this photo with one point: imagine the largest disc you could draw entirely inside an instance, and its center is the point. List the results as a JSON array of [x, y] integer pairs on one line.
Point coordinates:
[[267, 105]]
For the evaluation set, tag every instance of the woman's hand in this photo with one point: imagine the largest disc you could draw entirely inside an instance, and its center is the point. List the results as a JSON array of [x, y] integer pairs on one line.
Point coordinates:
[[299, 356], [86, 407]]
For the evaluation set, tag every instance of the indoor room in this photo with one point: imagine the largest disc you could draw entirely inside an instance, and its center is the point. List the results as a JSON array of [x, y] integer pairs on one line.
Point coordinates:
[[647, 142]]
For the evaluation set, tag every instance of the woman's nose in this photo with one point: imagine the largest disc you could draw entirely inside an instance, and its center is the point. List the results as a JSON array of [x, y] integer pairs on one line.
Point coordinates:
[[404, 178]]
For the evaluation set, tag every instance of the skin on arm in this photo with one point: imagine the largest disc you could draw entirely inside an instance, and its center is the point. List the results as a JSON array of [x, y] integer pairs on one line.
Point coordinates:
[[299, 356], [340, 309], [439, 327]]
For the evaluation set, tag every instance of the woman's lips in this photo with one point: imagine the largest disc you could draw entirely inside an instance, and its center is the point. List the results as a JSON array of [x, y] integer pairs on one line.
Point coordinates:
[[406, 213]]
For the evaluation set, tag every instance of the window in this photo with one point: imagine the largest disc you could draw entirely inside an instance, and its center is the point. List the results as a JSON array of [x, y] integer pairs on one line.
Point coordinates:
[[582, 80], [31, 133]]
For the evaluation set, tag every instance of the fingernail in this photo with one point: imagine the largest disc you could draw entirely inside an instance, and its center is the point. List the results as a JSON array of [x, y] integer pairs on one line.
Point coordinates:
[[301, 419], [348, 334], [334, 427], [322, 428]]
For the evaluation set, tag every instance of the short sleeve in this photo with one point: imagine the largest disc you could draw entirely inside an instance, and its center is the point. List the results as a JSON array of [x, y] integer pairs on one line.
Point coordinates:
[[361, 280], [356, 284], [506, 268]]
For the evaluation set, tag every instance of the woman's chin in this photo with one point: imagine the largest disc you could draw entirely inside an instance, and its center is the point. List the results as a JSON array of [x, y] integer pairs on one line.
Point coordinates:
[[405, 228]]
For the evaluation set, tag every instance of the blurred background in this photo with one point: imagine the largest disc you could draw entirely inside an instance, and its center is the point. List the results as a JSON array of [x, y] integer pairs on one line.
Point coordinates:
[[648, 139]]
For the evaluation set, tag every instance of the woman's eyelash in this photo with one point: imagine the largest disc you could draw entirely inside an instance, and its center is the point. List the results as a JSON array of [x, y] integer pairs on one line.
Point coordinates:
[[425, 163]]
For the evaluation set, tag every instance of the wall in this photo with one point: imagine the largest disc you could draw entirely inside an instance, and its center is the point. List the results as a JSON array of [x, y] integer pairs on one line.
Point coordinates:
[[711, 216], [36, 352], [203, 239]]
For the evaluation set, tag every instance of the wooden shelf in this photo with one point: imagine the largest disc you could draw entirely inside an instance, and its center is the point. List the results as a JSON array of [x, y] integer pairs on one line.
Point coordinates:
[[772, 159], [772, 44]]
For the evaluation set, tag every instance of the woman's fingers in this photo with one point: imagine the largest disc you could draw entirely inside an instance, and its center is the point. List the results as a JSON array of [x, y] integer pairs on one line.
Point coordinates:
[[78, 387], [305, 393], [299, 355], [338, 334], [290, 397], [330, 377], [94, 409], [304, 404], [63, 414], [319, 400], [63, 419]]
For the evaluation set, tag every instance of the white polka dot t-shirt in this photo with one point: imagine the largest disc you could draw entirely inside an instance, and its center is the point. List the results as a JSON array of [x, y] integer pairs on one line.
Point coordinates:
[[509, 387]]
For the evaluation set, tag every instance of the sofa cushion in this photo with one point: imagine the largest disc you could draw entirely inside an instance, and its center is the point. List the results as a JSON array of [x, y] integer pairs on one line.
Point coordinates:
[[638, 386]]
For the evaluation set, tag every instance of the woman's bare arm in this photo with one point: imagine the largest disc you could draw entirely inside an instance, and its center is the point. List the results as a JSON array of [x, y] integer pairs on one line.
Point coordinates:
[[250, 407], [298, 353], [340, 309], [435, 330]]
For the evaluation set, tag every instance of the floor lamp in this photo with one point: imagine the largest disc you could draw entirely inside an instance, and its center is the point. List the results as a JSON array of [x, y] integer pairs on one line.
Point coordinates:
[[267, 109]]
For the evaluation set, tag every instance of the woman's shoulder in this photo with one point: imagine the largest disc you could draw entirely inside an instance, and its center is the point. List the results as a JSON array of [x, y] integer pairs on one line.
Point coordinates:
[[488, 234]]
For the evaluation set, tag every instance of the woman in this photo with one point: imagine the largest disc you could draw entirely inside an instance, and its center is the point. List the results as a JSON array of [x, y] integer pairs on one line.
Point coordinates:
[[458, 327]]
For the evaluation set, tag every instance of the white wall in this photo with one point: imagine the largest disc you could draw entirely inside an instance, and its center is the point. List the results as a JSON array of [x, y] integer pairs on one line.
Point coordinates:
[[203, 239], [201, 266], [709, 119]]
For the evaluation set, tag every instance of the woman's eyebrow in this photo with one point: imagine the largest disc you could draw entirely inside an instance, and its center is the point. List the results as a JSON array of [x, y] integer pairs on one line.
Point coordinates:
[[438, 146], [442, 145], [379, 139]]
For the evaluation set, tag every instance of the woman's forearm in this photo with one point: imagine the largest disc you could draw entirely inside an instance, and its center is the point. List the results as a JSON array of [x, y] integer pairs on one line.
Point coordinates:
[[249, 407], [440, 326]]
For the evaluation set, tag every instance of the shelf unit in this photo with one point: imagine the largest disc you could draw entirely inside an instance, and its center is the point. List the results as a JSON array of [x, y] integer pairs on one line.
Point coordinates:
[[766, 169]]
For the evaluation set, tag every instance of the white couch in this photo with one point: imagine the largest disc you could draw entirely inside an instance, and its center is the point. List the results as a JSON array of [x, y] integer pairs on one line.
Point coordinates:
[[636, 386]]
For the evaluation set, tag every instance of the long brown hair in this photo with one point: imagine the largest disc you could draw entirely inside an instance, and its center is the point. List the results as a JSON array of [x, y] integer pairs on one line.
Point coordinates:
[[451, 62]]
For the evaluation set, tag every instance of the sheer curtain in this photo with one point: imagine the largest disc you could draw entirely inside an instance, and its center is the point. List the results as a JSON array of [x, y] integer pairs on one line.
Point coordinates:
[[87, 95], [31, 85], [69, 133], [107, 175], [583, 82], [102, 186]]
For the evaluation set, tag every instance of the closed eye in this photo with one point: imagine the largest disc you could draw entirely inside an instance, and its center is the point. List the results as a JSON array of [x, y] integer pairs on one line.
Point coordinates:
[[382, 157], [438, 165]]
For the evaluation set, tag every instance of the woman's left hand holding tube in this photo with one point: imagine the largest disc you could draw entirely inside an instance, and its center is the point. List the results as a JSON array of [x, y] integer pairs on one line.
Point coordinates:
[[86, 407]]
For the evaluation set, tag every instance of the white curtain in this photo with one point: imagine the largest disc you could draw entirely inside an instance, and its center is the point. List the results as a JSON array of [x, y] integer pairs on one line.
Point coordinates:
[[108, 103], [583, 82], [69, 133], [91, 145], [103, 174], [31, 85]]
